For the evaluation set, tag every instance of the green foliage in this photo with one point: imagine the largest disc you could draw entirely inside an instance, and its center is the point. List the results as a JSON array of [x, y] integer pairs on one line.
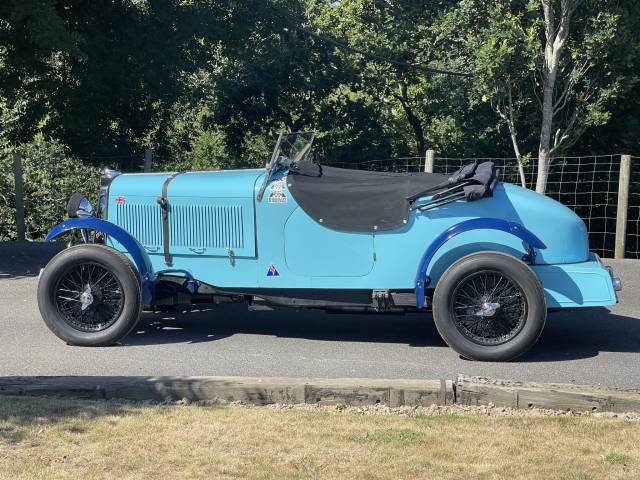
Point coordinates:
[[187, 78], [505, 43], [34, 45], [210, 151], [208, 84], [50, 177]]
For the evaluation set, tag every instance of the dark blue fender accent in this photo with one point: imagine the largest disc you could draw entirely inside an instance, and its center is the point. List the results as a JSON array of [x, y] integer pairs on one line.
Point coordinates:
[[474, 224], [139, 256]]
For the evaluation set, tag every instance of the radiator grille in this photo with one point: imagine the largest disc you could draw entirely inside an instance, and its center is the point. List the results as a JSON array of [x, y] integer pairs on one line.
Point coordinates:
[[190, 226]]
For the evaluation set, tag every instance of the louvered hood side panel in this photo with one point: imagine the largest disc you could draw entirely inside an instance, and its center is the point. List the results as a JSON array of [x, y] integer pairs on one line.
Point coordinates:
[[197, 226], [208, 226], [142, 220]]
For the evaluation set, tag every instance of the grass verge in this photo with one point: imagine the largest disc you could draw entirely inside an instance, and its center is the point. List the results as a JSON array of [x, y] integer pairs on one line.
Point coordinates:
[[60, 438]]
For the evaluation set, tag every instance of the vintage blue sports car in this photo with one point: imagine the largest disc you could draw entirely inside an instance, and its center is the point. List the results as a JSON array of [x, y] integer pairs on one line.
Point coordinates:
[[487, 258]]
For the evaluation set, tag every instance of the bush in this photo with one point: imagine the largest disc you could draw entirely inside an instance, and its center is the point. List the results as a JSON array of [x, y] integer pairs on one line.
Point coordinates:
[[50, 177], [210, 151]]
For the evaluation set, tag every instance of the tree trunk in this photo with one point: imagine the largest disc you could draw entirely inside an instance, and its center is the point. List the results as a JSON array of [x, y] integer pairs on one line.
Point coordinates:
[[514, 136], [413, 120], [556, 35], [420, 143], [544, 158], [523, 180], [516, 149], [509, 119]]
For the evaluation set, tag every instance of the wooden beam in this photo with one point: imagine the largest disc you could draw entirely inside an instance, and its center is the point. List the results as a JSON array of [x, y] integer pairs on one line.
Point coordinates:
[[19, 196], [504, 393], [259, 391], [148, 158], [623, 206], [428, 161]]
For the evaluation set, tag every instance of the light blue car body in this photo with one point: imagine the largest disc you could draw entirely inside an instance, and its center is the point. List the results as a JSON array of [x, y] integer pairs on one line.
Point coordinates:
[[220, 234]]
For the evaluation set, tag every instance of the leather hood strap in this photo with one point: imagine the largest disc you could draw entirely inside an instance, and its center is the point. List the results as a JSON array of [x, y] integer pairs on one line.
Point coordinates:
[[163, 201]]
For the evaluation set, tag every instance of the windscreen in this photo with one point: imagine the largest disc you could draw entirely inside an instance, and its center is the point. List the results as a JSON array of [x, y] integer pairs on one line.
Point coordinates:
[[291, 148], [294, 147]]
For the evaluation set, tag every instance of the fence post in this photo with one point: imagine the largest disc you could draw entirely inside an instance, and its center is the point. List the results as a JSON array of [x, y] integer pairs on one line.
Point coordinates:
[[623, 205], [19, 191], [148, 157], [428, 161]]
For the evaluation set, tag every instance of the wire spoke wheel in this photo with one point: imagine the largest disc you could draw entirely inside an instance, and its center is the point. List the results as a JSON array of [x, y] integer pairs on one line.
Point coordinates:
[[89, 297], [488, 307]]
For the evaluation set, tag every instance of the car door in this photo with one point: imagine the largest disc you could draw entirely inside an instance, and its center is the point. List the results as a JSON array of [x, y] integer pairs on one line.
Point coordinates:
[[316, 251]]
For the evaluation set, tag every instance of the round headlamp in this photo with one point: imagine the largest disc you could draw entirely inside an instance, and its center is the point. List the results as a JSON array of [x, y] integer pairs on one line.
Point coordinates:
[[79, 206]]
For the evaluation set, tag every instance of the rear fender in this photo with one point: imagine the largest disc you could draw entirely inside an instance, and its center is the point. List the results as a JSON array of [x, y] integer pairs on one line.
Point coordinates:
[[422, 280], [134, 249]]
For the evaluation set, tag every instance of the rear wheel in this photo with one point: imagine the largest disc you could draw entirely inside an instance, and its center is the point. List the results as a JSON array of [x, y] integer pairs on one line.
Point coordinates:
[[489, 306], [89, 295]]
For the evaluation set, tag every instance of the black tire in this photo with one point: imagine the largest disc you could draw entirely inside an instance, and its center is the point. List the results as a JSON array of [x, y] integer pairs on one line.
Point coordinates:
[[468, 313], [114, 290]]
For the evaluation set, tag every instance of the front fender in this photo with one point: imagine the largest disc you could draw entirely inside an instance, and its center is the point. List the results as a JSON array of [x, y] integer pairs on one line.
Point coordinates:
[[474, 224], [133, 247]]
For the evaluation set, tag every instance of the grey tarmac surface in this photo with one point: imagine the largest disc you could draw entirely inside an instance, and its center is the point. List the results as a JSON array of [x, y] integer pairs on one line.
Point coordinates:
[[598, 347]]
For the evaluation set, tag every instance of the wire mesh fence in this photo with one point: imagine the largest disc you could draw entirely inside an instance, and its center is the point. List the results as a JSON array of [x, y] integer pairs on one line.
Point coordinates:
[[633, 217], [587, 184]]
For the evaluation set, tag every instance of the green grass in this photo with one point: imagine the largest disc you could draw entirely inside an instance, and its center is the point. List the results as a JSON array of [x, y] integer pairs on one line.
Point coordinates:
[[618, 458], [69, 439]]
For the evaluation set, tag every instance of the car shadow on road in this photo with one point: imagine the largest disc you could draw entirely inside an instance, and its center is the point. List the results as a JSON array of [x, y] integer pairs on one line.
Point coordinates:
[[584, 334], [206, 324], [567, 336]]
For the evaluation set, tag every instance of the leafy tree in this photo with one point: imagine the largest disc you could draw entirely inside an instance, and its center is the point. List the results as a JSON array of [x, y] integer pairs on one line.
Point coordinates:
[[35, 42], [276, 79], [502, 52], [396, 49], [553, 55], [102, 76], [209, 83], [615, 126]]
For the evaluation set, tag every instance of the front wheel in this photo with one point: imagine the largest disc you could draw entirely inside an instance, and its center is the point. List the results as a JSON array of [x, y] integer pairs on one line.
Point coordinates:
[[89, 295], [489, 306]]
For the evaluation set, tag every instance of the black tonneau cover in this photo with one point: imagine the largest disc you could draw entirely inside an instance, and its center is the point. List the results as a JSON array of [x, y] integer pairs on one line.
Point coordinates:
[[357, 200], [364, 201]]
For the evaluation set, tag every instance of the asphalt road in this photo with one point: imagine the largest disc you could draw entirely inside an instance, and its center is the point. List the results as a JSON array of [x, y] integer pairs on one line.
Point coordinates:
[[586, 347]]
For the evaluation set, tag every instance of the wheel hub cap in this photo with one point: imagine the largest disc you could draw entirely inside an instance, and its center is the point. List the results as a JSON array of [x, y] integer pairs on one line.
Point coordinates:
[[487, 309], [86, 297]]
